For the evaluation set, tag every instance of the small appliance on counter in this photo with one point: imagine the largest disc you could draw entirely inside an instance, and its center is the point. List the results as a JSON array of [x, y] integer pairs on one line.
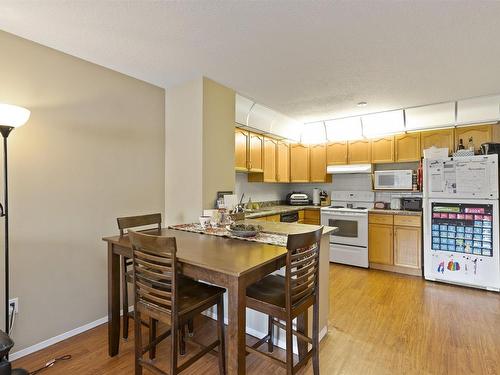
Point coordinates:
[[319, 196], [411, 204], [297, 199], [489, 148], [395, 203], [380, 205]]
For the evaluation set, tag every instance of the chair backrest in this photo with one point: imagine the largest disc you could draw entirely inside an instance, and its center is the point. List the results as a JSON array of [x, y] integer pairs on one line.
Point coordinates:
[[302, 267], [155, 275], [138, 221]]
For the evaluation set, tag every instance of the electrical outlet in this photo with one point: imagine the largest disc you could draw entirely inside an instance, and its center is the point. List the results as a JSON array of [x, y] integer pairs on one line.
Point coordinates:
[[14, 302]]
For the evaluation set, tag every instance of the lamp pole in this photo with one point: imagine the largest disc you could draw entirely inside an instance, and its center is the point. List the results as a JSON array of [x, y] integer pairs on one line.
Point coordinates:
[[5, 131]]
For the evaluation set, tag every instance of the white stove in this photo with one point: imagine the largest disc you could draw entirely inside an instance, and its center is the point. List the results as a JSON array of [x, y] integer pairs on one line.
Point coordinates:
[[349, 212]]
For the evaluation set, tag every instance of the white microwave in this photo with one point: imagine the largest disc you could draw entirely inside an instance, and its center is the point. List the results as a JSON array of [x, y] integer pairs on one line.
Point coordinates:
[[394, 180]]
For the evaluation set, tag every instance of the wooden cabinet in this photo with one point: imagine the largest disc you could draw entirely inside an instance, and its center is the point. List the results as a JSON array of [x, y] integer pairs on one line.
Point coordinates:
[[240, 150], [311, 216], [301, 217], [395, 243], [380, 243], [274, 218], [282, 162], [255, 152], [336, 153], [437, 138], [407, 247], [270, 159], [359, 152], [383, 150], [407, 147], [299, 163], [317, 159], [479, 133]]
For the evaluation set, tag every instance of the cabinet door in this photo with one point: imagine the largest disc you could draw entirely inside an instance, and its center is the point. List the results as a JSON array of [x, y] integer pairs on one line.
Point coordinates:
[[336, 153], [380, 243], [437, 138], [407, 247], [240, 149], [480, 134], [274, 218], [359, 152], [407, 147], [255, 152], [282, 162], [317, 156], [299, 163], [270, 159], [383, 150]]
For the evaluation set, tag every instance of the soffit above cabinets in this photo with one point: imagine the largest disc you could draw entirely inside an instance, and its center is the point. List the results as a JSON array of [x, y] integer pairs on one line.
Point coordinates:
[[345, 129], [483, 109], [242, 109], [430, 116], [384, 123]]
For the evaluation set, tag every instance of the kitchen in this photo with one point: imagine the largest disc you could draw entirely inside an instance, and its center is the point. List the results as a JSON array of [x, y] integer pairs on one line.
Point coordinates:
[[365, 175]]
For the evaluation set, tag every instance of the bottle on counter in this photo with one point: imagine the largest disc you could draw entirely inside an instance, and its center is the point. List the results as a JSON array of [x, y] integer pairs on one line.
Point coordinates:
[[460, 144], [471, 144]]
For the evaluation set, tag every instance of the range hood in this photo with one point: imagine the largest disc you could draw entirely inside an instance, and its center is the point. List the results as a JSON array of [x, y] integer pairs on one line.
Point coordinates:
[[349, 168]]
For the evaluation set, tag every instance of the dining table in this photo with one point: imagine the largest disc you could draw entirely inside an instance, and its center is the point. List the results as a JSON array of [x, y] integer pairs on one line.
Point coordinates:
[[227, 262]]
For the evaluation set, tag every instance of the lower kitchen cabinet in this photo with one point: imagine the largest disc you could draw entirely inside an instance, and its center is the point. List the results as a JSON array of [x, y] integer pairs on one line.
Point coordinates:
[[301, 217], [380, 244], [395, 243], [274, 218], [311, 216]]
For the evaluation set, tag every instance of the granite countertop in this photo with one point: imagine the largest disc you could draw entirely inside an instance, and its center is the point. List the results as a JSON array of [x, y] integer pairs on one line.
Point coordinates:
[[276, 210], [288, 228], [395, 212]]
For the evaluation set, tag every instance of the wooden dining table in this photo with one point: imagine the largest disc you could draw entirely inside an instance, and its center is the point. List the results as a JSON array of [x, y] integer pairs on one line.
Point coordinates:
[[230, 263]]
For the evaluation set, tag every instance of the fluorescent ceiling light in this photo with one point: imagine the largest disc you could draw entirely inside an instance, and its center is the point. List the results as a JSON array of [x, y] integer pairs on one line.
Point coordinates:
[[313, 133], [345, 129], [430, 116], [383, 123]]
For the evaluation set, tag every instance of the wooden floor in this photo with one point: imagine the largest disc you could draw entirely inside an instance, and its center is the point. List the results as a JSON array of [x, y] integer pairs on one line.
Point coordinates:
[[380, 323]]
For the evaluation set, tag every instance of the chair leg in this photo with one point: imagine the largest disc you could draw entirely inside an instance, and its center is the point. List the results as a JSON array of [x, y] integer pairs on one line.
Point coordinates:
[[138, 342], [270, 332], [190, 325], [182, 340], [289, 347], [125, 317], [173, 351], [220, 336], [315, 337], [153, 329]]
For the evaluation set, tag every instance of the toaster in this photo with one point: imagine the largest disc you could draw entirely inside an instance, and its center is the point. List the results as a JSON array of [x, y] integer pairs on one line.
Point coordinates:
[[297, 199]]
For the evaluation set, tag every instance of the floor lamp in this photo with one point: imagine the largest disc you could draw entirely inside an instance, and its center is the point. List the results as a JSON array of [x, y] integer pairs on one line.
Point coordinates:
[[11, 116]]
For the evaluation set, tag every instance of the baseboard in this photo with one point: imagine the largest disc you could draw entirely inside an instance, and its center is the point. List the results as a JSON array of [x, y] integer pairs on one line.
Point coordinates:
[[257, 334], [63, 336]]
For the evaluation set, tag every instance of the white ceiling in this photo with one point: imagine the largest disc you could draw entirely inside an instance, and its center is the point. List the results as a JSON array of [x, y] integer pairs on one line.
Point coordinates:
[[308, 59]]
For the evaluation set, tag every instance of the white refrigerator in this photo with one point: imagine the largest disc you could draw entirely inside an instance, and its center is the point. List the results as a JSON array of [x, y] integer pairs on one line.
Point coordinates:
[[461, 221]]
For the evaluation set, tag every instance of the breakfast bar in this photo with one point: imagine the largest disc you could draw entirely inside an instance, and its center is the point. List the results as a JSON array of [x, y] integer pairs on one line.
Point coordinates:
[[227, 262]]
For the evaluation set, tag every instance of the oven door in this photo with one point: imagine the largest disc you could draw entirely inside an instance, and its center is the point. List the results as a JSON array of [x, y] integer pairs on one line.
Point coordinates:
[[352, 227]]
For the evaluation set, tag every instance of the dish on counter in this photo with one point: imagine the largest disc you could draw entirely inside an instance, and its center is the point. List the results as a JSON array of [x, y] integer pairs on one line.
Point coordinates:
[[244, 230]]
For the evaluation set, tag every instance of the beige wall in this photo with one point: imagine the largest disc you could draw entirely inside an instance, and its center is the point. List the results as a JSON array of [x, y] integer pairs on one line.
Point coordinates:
[[199, 141], [218, 140], [183, 152], [92, 150]]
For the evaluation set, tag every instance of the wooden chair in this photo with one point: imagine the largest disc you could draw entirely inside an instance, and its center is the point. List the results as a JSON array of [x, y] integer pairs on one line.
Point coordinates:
[[153, 221], [289, 297], [159, 296]]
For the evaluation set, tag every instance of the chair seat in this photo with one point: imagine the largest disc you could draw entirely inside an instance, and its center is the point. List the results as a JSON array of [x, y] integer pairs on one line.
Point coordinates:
[[270, 290], [193, 294]]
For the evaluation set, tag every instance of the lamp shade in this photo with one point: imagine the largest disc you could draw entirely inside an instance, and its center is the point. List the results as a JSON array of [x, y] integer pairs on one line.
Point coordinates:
[[13, 115]]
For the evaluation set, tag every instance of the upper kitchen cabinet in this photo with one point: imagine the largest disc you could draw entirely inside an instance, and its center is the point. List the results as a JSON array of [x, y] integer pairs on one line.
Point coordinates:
[[299, 163], [336, 153], [407, 147], [383, 150], [317, 156], [240, 150], [437, 138], [359, 152], [255, 152], [282, 162], [270, 145], [479, 134]]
